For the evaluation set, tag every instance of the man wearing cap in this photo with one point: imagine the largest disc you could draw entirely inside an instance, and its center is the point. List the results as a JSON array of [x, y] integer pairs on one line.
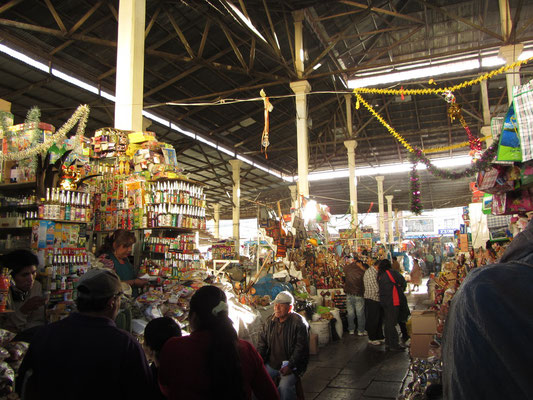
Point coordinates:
[[85, 356], [284, 345]]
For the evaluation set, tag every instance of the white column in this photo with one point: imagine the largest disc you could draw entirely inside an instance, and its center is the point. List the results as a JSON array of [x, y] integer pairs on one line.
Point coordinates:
[[397, 224], [352, 183], [510, 54], [380, 179], [298, 43], [130, 65], [390, 217], [236, 167], [294, 196], [485, 130], [216, 209], [301, 88]]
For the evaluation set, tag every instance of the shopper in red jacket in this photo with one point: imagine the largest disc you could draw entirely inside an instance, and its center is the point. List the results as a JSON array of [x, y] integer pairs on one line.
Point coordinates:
[[212, 362]]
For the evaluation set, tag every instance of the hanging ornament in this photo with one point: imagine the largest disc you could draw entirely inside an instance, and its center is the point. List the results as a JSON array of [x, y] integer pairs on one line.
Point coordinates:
[[69, 177], [268, 107], [414, 188]]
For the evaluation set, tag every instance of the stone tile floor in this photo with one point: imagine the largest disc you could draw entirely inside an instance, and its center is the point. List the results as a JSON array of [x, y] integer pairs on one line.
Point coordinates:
[[352, 369]]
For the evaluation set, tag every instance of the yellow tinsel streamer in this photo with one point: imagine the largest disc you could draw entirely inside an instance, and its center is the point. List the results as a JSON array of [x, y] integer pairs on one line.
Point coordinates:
[[391, 130], [452, 147], [481, 78]]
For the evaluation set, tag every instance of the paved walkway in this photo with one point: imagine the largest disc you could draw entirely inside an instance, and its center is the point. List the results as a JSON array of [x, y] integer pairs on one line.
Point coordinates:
[[350, 368]]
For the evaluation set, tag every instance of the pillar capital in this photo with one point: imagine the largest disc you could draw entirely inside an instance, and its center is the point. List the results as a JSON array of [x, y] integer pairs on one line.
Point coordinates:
[[389, 198], [300, 87], [235, 164], [380, 178], [511, 52], [350, 145]]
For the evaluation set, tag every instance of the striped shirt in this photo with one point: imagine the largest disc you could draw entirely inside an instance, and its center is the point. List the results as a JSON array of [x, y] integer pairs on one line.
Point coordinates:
[[370, 280]]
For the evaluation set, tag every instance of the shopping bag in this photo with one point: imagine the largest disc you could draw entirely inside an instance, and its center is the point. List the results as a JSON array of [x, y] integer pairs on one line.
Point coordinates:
[[496, 180], [518, 201], [509, 146], [523, 107], [526, 175], [498, 203]]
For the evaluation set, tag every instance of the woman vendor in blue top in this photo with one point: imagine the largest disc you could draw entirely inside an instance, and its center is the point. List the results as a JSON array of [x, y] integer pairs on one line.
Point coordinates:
[[114, 254]]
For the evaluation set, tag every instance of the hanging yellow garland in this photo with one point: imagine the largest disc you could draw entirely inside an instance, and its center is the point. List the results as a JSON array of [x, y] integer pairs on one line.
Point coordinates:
[[453, 147], [391, 130], [481, 78]]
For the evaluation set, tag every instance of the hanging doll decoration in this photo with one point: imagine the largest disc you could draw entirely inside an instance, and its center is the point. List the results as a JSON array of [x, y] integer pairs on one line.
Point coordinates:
[[454, 111], [268, 108]]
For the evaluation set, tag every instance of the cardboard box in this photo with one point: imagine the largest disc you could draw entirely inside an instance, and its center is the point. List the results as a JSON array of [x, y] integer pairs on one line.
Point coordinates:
[[424, 322], [420, 345], [313, 343]]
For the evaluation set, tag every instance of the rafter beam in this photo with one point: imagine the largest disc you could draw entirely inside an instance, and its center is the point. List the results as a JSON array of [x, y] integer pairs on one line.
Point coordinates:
[[180, 34], [382, 11], [461, 19], [9, 4]]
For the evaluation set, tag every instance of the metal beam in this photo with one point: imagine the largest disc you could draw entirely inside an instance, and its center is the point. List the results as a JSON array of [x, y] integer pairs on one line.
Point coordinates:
[[461, 19]]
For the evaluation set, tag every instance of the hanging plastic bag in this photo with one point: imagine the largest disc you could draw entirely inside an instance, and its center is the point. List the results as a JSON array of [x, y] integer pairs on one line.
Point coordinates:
[[523, 107], [509, 147]]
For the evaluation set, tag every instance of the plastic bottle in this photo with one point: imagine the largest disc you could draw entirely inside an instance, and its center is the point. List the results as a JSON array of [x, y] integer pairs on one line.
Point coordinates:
[[4, 289]]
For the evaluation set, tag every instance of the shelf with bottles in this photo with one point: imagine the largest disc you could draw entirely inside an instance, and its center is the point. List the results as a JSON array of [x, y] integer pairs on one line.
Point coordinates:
[[61, 272], [65, 206], [132, 202], [169, 256]]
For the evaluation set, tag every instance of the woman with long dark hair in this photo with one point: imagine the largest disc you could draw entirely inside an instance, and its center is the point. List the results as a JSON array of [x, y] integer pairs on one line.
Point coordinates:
[[114, 254], [391, 287], [212, 362]]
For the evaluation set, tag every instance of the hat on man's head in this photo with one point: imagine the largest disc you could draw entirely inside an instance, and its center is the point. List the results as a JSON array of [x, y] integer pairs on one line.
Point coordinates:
[[284, 297], [99, 283]]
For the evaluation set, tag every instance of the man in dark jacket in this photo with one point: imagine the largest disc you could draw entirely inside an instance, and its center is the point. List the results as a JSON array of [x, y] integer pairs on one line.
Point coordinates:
[[355, 301], [284, 345], [91, 356], [489, 328]]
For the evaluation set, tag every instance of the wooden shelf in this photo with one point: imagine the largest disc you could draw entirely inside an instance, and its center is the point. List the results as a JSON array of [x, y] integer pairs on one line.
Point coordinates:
[[18, 186], [19, 207], [16, 228], [61, 221]]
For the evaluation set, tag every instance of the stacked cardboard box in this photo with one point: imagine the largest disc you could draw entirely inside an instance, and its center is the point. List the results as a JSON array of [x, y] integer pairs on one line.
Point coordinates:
[[424, 326]]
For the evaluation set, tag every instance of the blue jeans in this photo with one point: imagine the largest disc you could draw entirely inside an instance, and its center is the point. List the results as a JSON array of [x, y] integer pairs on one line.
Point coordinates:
[[355, 305], [286, 385]]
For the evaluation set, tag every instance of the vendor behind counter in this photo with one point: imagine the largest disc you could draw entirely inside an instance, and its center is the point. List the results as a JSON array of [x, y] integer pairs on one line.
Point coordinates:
[[25, 298], [114, 254]]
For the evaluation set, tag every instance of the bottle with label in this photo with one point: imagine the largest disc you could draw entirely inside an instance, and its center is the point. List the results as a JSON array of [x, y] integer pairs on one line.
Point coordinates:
[[4, 289], [14, 173]]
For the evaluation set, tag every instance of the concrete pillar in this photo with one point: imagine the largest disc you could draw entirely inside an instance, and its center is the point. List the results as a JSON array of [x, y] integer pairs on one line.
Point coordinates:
[[294, 196], [352, 183], [130, 65], [380, 179], [510, 54], [487, 131], [301, 88], [349, 125], [505, 19], [236, 167], [397, 224], [390, 217], [216, 209], [298, 43]]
